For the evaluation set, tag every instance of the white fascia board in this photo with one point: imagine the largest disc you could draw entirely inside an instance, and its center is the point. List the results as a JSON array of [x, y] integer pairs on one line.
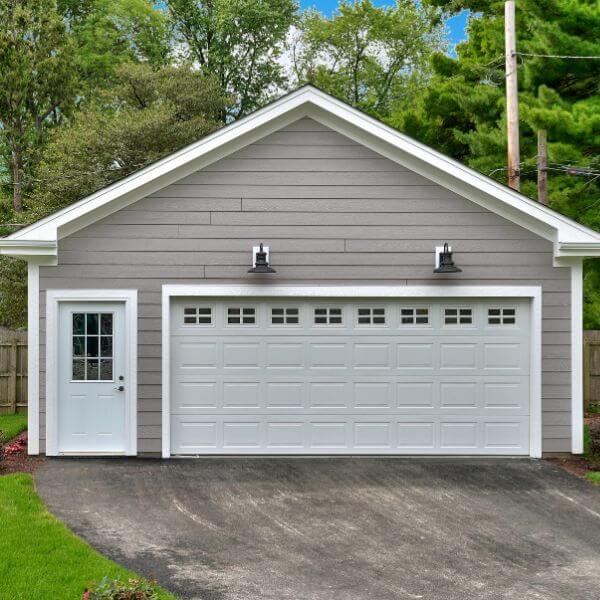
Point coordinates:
[[577, 249], [309, 101]]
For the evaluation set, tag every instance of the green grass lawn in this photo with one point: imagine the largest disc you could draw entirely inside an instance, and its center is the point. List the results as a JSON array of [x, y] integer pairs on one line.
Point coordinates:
[[594, 477], [39, 556], [11, 426]]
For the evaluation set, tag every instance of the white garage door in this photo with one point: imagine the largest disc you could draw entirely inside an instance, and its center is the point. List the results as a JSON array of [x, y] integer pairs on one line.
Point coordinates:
[[263, 376]]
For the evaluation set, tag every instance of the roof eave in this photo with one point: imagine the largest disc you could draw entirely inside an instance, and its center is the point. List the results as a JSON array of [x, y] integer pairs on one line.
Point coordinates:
[[578, 250], [39, 251]]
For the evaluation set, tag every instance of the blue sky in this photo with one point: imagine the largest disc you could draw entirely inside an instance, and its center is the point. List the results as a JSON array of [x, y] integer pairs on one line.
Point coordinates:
[[456, 25]]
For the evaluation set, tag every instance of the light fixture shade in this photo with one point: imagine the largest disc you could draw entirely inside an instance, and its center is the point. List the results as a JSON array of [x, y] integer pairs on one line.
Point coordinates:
[[261, 263], [446, 264]]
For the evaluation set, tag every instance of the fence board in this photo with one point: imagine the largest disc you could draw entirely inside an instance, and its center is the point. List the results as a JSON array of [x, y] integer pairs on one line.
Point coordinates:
[[13, 371], [591, 369]]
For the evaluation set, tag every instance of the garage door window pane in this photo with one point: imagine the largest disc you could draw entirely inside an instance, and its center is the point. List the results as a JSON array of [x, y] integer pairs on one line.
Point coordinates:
[[371, 316], [328, 316], [458, 316], [414, 316], [197, 315], [285, 316], [502, 316], [241, 316]]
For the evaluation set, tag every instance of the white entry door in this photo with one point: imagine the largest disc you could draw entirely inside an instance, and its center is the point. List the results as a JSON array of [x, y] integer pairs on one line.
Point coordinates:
[[92, 411], [350, 376]]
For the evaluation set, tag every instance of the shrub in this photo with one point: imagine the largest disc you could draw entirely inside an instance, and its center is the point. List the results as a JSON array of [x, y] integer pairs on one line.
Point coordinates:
[[594, 447], [114, 589]]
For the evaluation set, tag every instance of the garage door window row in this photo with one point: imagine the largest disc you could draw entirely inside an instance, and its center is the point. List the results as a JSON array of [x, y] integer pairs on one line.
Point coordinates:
[[364, 316]]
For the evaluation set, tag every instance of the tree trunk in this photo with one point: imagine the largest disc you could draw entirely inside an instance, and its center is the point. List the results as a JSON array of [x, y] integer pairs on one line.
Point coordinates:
[[17, 179]]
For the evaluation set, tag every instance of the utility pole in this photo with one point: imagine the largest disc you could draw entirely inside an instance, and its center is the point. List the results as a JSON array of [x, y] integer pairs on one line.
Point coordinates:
[[512, 101], [542, 167]]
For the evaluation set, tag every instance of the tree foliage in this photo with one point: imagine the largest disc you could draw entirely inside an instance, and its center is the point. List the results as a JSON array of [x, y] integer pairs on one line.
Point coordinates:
[[147, 115], [371, 57], [108, 33], [237, 41], [36, 82]]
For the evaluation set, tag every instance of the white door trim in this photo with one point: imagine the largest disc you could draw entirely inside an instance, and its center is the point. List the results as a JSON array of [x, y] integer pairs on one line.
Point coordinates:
[[362, 291], [53, 299]]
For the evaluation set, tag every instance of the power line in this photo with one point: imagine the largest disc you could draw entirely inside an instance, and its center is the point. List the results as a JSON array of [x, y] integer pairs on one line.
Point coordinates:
[[569, 57]]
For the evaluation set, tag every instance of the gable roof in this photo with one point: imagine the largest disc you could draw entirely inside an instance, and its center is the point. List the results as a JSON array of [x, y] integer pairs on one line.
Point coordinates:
[[39, 240]]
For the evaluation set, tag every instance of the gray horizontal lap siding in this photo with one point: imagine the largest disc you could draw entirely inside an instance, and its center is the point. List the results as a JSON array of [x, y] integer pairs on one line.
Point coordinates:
[[332, 211]]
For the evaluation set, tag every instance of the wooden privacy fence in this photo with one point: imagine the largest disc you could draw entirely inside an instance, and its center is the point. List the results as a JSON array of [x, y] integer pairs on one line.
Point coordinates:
[[13, 371], [591, 369]]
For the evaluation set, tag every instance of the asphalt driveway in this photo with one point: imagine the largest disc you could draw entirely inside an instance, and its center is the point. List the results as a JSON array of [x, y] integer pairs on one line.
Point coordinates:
[[338, 529]]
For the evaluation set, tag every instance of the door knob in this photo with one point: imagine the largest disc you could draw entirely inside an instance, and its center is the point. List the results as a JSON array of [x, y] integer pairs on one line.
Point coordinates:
[[119, 388]]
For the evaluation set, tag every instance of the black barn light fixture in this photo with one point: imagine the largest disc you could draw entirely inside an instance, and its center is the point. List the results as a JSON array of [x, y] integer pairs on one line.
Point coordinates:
[[444, 262], [260, 260]]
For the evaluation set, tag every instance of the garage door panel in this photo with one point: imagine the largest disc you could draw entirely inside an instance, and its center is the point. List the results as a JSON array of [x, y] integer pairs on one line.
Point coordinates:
[[415, 356], [195, 356], [458, 356], [507, 355], [238, 355], [328, 355], [285, 395], [372, 395], [372, 355], [352, 387], [373, 435], [507, 395], [294, 434], [286, 436], [285, 355], [459, 394], [195, 396], [328, 395], [413, 395], [488, 396]]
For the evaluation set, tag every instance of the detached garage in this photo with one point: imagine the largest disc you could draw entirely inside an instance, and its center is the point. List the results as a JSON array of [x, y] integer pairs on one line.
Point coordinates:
[[306, 280]]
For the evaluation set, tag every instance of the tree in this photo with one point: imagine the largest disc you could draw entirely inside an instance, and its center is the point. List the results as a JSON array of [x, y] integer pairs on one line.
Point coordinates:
[[462, 111], [147, 115], [37, 82], [237, 41], [368, 56], [108, 33]]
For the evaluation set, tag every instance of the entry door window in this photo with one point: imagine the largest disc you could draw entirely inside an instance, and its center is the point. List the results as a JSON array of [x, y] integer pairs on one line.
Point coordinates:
[[92, 347]]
